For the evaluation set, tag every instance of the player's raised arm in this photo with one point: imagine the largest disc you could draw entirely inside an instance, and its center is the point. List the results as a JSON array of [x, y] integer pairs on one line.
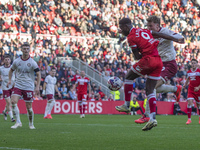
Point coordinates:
[[176, 37]]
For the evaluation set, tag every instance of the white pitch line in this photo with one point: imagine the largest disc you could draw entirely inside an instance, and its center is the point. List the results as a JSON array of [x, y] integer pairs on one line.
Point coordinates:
[[119, 125], [16, 148]]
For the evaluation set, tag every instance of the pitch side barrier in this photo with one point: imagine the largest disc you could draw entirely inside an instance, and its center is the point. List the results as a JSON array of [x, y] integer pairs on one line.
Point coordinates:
[[93, 107]]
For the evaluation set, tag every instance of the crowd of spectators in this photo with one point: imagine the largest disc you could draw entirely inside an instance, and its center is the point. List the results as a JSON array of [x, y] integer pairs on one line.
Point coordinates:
[[99, 19]]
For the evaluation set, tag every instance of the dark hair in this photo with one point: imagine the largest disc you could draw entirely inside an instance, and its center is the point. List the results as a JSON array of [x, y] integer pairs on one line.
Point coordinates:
[[7, 56], [53, 68], [125, 21], [25, 44], [194, 60], [154, 19]]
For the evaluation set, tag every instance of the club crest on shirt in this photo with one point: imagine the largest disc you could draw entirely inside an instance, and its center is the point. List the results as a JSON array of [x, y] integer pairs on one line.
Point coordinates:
[[28, 64]]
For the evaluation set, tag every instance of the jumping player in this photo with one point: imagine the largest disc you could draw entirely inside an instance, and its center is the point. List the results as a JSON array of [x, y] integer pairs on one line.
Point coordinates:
[[25, 68], [167, 53], [7, 91], [193, 80], [144, 47], [82, 83], [49, 88]]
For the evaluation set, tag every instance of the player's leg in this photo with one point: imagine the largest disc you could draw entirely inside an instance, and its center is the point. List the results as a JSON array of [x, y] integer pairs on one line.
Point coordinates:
[[50, 108], [198, 107], [30, 114], [79, 97], [128, 89], [150, 85], [14, 99], [169, 70], [189, 109], [5, 112], [8, 107], [84, 104], [47, 108]]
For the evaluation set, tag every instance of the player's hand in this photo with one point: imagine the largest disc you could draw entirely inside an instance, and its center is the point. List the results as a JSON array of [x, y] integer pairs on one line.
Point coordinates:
[[90, 95], [181, 41], [8, 84], [196, 89], [59, 95], [37, 91]]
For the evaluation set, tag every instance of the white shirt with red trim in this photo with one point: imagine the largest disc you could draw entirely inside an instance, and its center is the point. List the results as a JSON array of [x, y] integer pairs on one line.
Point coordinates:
[[4, 71], [25, 75], [50, 86]]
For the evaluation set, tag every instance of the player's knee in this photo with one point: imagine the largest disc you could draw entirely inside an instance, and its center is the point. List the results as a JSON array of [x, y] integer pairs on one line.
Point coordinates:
[[30, 110]]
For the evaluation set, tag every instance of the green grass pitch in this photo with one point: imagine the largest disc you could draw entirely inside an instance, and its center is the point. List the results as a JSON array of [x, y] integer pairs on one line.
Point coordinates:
[[100, 132]]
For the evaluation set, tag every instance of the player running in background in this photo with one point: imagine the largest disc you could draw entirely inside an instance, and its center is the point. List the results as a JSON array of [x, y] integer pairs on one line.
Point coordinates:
[[144, 47], [7, 91], [82, 83], [25, 68], [193, 80], [168, 54], [49, 88]]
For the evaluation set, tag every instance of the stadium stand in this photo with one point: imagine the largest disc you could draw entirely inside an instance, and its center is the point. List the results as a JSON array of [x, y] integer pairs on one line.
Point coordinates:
[[91, 27]]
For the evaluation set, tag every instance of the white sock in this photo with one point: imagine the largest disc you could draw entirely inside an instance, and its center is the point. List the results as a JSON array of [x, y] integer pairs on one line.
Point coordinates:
[[5, 110], [10, 114], [147, 109], [127, 103], [166, 88], [47, 109], [16, 112], [30, 115], [51, 106]]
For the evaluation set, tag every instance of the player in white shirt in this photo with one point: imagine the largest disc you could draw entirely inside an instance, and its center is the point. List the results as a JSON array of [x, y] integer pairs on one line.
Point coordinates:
[[49, 88], [25, 68], [7, 91], [168, 54]]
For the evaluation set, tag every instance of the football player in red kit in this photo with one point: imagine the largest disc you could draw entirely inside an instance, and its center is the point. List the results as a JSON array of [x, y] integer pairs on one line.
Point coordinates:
[[194, 88], [144, 48], [82, 83]]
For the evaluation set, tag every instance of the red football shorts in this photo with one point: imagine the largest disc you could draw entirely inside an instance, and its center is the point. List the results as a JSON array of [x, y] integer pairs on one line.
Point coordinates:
[[27, 95], [194, 95], [50, 97], [7, 93], [169, 70], [149, 65], [82, 97]]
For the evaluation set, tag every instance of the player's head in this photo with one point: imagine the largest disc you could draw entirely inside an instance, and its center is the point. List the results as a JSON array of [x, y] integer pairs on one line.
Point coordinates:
[[53, 72], [153, 23], [194, 63], [82, 73], [25, 48], [7, 59], [125, 25]]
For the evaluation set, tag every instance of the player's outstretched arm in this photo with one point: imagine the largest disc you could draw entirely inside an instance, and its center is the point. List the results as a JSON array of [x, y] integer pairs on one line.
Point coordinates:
[[178, 39]]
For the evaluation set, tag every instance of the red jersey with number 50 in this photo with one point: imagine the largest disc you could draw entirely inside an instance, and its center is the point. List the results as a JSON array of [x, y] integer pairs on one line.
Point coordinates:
[[144, 41], [82, 85], [194, 77]]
